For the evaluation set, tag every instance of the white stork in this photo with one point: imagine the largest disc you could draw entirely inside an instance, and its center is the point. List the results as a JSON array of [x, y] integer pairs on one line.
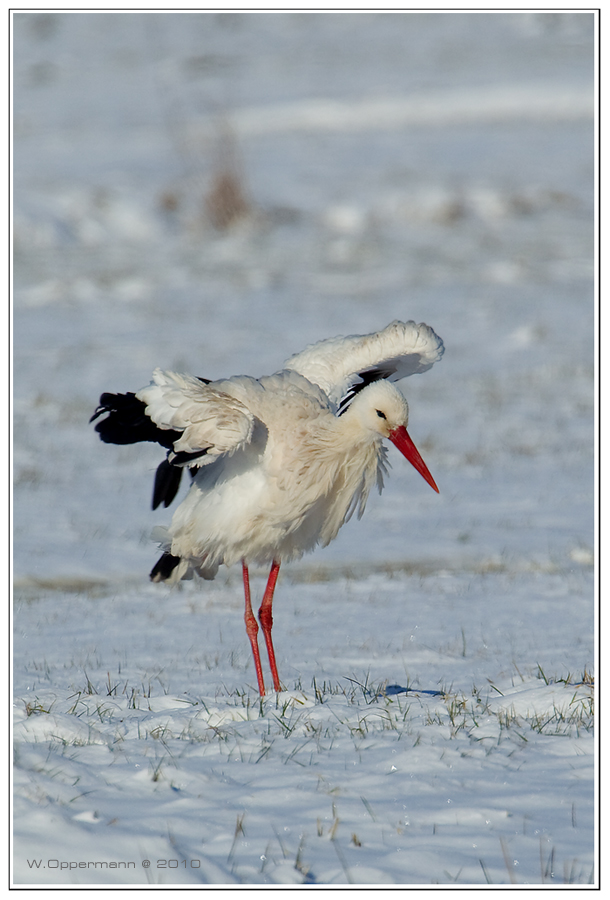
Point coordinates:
[[278, 463]]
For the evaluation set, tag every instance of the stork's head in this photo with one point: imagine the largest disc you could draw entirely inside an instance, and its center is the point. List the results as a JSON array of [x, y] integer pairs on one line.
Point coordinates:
[[382, 409]]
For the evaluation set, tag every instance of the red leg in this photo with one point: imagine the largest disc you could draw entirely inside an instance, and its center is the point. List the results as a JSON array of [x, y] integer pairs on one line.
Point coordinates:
[[252, 631], [266, 619]]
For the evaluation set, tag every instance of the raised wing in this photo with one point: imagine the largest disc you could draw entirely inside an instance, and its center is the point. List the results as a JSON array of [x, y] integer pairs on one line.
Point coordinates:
[[210, 422], [343, 366]]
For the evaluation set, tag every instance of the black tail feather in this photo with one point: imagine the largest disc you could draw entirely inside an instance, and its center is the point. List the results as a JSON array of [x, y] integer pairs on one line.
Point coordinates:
[[164, 567]]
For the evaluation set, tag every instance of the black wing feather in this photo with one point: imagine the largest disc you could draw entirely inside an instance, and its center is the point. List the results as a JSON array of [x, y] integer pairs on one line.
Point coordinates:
[[367, 376], [127, 423], [164, 567], [167, 482]]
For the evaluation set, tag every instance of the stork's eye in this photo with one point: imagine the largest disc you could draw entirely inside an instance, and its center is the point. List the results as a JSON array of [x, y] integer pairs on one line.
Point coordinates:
[[381, 414]]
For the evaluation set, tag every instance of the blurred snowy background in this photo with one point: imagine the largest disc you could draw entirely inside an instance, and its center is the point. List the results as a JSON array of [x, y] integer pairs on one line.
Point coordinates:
[[212, 192]]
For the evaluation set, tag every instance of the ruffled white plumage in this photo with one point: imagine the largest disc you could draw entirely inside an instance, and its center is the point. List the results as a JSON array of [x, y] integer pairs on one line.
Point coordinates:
[[279, 463], [209, 418], [279, 471]]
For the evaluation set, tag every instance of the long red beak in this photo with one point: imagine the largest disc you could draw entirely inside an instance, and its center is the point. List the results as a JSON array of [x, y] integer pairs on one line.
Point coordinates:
[[400, 438]]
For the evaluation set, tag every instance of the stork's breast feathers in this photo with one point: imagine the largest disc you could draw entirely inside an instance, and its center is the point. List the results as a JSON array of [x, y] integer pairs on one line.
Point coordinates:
[[209, 419]]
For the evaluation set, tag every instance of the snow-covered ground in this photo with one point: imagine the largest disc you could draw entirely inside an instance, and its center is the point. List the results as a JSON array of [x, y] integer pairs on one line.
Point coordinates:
[[436, 167]]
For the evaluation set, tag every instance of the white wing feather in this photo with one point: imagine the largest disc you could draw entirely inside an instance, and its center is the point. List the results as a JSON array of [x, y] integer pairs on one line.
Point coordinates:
[[210, 420], [341, 365]]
